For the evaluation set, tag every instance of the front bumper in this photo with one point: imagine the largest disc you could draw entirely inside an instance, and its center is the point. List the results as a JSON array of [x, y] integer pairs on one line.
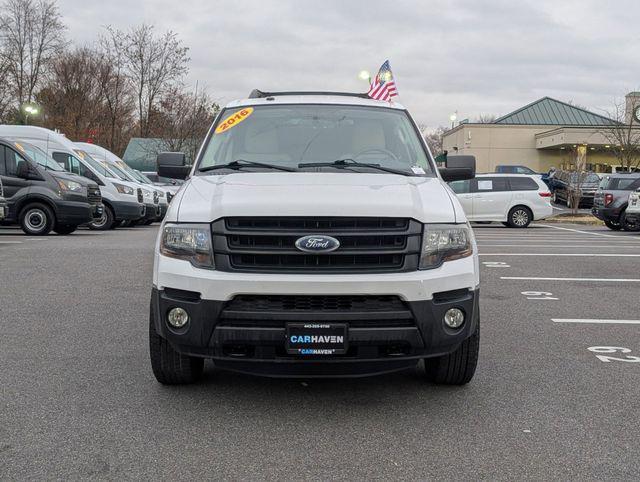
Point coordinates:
[[376, 345], [73, 213], [606, 214], [633, 216], [127, 210], [152, 212]]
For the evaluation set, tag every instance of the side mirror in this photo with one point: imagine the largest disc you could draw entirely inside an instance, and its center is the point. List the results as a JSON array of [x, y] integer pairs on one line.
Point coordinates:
[[172, 165], [458, 168]]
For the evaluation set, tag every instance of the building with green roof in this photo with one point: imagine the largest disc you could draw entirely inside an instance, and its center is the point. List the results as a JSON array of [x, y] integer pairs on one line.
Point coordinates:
[[539, 135]]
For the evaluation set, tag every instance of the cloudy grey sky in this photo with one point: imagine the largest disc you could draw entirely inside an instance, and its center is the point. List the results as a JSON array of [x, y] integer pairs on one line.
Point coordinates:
[[474, 57]]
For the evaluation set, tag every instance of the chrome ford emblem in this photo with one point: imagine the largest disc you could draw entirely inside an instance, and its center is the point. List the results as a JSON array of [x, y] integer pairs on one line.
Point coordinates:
[[317, 243]]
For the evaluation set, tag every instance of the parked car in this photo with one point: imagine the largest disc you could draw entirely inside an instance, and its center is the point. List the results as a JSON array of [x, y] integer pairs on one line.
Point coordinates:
[[121, 199], [314, 237], [508, 169], [172, 185], [4, 207], [612, 198], [150, 197], [633, 208], [40, 195], [512, 199], [567, 186]]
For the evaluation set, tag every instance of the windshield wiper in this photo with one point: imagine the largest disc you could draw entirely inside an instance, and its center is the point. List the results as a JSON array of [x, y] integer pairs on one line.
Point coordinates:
[[348, 163], [240, 163]]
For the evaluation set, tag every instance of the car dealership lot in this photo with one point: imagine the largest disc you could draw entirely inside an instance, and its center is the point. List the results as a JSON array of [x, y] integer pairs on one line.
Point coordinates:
[[79, 400]]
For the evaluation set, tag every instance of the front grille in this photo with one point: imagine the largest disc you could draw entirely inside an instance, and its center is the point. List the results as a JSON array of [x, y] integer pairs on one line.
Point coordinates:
[[93, 195], [155, 197], [275, 311], [140, 196], [315, 303], [267, 244]]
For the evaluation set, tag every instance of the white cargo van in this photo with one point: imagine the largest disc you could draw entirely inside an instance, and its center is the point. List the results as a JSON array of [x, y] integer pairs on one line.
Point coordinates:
[[315, 237], [153, 198], [122, 200]]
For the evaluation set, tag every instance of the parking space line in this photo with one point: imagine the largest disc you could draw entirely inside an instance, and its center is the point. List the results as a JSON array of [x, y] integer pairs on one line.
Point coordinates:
[[10, 242], [596, 321], [611, 280], [600, 255], [582, 232]]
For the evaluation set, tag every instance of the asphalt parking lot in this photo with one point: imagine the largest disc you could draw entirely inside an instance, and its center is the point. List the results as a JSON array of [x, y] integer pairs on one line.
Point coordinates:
[[78, 399]]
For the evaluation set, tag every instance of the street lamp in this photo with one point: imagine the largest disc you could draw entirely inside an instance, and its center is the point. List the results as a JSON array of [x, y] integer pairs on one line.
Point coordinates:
[[453, 118], [365, 75], [30, 110]]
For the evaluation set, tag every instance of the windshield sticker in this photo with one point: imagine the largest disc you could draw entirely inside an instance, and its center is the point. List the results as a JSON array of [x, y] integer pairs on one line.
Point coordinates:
[[417, 170], [233, 120]]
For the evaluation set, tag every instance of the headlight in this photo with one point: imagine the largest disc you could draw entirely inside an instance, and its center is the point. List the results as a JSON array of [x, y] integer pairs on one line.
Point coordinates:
[[191, 242], [161, 193], [67, 185], [445, 242], [122, 189]]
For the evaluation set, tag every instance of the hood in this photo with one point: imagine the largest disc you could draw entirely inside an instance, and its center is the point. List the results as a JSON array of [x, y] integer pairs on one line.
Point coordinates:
[[207, 198], [83, 181]]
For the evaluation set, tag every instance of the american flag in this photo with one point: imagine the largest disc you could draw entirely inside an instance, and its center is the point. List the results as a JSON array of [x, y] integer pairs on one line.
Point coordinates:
[[383, 86]]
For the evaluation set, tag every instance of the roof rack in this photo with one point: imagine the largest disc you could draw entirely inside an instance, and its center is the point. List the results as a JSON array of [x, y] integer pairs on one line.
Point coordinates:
[[258, 94]]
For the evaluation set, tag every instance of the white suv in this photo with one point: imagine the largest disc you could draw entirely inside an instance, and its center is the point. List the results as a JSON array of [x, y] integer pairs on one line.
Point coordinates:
[[512, 199], [314, 237], [632, 214]]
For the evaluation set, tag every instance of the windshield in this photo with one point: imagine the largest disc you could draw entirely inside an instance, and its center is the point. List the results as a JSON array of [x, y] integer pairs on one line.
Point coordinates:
[[140, 177], [116, 170], [288, 135], [38, 156], [97, 166]]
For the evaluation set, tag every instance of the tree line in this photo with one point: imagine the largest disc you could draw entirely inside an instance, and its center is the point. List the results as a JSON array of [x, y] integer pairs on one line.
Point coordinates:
[[127, 83]]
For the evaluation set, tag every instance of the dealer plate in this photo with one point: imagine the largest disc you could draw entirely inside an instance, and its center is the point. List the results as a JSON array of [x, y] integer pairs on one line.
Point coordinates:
[[316, 338]]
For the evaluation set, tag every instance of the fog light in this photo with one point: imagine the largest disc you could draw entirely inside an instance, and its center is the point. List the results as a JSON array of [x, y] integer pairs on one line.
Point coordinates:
[[454, 318], [178, 317]]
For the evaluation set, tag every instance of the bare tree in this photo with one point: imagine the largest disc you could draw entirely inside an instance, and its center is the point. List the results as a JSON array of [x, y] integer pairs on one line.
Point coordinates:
[[182, 120], [434, 139], [154, 64], [114, 86], [486, 118], [31, 34], [71, 95], [6, 99], [623, 135]]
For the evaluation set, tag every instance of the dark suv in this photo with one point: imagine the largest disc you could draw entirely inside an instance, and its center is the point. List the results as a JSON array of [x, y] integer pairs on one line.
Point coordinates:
[[41, 196], [571, 186], [610, 201]]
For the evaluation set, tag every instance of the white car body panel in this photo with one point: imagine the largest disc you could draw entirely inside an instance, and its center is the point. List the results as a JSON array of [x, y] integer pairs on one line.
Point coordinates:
[[495, 205], [206, 198]]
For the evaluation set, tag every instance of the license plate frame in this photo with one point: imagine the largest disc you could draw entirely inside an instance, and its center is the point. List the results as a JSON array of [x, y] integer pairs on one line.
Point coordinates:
[[334, 338]]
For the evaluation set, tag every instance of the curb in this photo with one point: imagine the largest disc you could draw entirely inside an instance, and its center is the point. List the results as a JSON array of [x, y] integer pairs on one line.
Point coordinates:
[[586, 221]]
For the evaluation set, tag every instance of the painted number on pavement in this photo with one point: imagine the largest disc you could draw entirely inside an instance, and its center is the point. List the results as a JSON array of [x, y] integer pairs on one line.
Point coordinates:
[[614, 349], [495, 264], [539, 295]]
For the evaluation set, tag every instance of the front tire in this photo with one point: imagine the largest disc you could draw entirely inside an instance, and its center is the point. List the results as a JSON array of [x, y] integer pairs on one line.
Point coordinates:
[[105, 222], [520, 217], [614, 226], [170, 367], [628, 225], [456, 368], [65, 229], [37, 219]]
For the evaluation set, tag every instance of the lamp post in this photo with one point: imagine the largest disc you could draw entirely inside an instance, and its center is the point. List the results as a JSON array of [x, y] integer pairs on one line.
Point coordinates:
[[365, 75], [453, 118], [30, 110]]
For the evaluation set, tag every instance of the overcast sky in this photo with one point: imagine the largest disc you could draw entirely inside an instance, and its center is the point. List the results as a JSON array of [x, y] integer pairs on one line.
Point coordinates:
[[473, 57]]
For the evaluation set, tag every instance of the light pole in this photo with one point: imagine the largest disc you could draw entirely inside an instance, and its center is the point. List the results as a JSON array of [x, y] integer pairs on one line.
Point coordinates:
[[365, 75], [30, 110], [453, 118]]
